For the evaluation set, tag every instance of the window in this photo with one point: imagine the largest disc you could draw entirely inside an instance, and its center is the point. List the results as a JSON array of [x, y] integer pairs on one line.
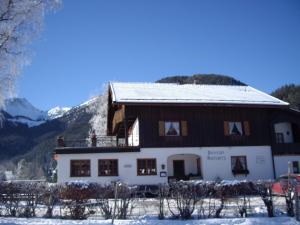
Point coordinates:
[[295, 167], [239, 165], [146, 167], [279, 137], [236, 128], [80, 168], [107, 167], [173, 128]]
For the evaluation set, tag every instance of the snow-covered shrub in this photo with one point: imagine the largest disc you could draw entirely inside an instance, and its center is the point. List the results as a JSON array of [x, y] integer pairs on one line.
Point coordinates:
[[50, 197], [125, 200], [10, 198], [288, 190], [264, 190], [240, 190], [103, 196], [75, 198], [163, 191], [30, 195], [185, 196]]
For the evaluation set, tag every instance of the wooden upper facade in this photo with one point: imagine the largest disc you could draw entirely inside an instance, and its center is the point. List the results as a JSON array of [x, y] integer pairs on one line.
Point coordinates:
[[204, 124]]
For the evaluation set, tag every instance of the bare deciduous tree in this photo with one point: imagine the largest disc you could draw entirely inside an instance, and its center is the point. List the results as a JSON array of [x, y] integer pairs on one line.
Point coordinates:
[[20, 23]]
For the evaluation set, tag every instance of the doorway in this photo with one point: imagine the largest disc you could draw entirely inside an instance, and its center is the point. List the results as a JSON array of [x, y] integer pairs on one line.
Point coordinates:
[[179, 172]]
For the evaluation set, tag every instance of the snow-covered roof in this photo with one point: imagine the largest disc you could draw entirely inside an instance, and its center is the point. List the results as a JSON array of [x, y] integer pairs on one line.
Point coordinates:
[[163, 93]]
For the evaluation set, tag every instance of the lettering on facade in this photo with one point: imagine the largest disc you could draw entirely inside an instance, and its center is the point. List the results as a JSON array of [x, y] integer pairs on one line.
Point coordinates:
[[216, 155], [127, 166]]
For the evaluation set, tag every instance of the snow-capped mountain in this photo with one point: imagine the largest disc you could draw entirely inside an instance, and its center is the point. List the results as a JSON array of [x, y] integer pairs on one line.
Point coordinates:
[[57, 112], [22, 111], [20, 107]]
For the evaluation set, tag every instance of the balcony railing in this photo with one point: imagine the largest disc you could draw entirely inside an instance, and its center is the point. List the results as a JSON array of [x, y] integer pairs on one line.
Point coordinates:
[[94, 141]]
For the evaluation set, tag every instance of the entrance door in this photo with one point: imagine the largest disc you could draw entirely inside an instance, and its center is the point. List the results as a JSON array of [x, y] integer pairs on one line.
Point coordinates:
[[178, 166]]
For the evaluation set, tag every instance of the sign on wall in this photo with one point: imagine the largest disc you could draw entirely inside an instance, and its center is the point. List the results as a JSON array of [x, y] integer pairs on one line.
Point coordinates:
[[216, 155]]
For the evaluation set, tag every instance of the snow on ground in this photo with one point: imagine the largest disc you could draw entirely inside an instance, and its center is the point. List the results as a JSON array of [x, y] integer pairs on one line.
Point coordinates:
[[240, 221]]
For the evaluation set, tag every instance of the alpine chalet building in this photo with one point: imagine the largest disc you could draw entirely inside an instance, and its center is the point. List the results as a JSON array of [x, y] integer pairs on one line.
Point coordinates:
[[158, 133]]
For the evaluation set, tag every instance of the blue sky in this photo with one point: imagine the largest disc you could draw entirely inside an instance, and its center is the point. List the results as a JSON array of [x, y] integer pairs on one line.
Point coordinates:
[[88, 43]]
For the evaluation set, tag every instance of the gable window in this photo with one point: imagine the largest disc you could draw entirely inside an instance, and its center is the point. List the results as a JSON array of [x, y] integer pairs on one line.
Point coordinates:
[[146, 167], [173, 128], [80, 168], [107, 167], [295, 167], [236, 128], [239, 165]]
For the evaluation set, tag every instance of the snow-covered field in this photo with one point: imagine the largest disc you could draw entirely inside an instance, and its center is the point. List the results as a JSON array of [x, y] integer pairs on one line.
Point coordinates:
[[240, 221]]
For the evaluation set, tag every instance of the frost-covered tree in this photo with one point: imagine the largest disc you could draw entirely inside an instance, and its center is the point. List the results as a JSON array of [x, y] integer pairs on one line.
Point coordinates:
[[20, 22], [99, 109]]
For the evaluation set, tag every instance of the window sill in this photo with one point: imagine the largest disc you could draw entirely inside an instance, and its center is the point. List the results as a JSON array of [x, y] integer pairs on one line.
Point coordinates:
[[147, 174], [109, 175], [240, 172]]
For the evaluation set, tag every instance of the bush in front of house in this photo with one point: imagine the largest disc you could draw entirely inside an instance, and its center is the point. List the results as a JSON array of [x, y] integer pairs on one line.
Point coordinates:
[[181, 200], [74, 197]]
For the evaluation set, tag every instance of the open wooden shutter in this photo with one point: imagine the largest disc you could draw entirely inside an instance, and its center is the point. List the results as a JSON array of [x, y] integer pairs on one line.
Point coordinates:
[[161, 128], [247, 128], [226, 128], [184, 128]]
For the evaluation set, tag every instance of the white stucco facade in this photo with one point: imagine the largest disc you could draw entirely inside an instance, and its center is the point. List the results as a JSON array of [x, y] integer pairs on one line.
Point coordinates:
[[134, 134], [215, 163]]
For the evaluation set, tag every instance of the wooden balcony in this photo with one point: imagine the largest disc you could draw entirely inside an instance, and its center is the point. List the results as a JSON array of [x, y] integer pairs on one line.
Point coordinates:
[[286, 148]]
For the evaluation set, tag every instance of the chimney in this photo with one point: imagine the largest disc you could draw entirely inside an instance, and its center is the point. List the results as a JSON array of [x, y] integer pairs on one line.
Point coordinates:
[[94, 139], [60, 141]]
